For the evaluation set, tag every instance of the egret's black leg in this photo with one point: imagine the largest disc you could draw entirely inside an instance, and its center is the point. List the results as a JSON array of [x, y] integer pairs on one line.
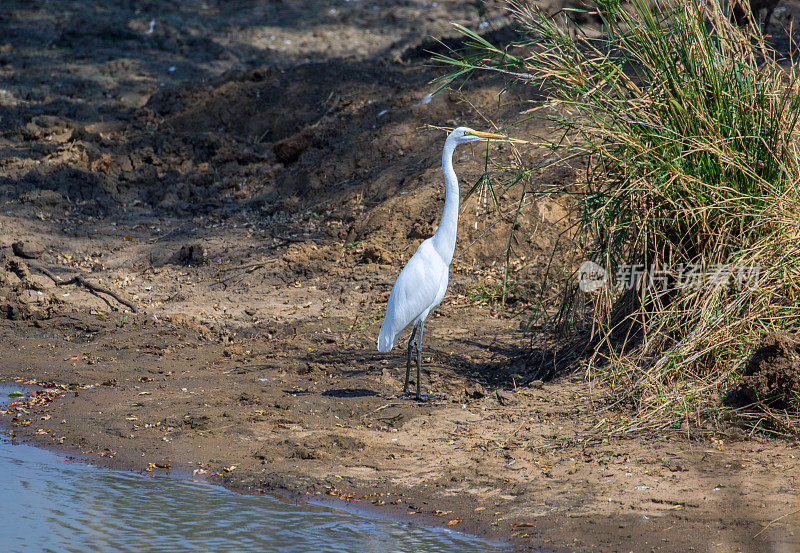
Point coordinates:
[[408, 361], [419, 357]]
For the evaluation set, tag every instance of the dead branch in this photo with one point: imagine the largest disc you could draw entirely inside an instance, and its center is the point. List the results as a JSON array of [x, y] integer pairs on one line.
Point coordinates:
[[80, 281]]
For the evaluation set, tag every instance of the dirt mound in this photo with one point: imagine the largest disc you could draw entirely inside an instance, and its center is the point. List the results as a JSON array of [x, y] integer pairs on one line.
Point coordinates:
[[772, 375], [332, 159], [317, 447], [270, 103]]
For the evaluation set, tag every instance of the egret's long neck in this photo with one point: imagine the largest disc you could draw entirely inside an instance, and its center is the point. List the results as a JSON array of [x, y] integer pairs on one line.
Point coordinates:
[[445, 238]]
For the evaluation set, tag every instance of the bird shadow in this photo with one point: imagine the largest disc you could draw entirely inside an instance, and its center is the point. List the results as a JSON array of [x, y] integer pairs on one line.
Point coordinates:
[[350, 392], [494, 363]]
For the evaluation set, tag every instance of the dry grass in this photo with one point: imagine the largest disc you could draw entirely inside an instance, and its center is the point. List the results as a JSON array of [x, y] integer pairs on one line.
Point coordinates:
[[689, 128]]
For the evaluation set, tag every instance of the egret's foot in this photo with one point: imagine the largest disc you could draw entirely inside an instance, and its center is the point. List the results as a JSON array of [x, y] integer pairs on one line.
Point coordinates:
[[422, 397], [426, 397]]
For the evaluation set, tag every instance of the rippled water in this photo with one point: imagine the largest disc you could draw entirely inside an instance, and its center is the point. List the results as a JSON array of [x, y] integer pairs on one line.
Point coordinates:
[[51, 504]]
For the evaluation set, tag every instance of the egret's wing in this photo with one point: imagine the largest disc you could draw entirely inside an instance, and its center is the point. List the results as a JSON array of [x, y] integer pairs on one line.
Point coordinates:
[[414, 293]]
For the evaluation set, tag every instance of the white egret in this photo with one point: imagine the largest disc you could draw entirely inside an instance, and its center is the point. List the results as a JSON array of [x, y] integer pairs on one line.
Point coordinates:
[[423, 281]]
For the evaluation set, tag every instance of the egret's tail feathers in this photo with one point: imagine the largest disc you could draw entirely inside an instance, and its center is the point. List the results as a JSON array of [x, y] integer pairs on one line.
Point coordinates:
[[386, 339]]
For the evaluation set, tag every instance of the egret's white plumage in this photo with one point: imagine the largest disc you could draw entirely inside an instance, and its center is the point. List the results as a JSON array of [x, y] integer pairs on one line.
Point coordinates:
[[423, 281], [418, 291]]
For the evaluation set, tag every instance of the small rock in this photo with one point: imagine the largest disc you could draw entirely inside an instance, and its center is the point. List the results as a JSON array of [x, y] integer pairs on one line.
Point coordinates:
[[32, 131], [387, 379], [198, 422], [303, 452], [233, 350], [289, 150], [307, 368], [376, 254], [537, 384], [249, 399], [421, 230], [475, 391], [29, 249], [505, 398], [43, 126], [193, 254], [43, 198]]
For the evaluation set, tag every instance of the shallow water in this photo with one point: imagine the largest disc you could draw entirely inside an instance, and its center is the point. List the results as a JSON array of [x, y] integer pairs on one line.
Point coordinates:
[[50, 503]]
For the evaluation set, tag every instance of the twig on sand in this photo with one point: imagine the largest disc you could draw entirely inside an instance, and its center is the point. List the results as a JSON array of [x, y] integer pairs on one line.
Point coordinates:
[[773, 521], [382, 407], [247, 267], [80, 281]]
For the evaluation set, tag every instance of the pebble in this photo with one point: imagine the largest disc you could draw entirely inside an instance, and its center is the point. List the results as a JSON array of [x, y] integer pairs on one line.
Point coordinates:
[[29, 249]]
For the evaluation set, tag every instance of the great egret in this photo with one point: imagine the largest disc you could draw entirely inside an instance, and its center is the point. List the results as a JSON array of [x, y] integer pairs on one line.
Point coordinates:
[[423, 281]]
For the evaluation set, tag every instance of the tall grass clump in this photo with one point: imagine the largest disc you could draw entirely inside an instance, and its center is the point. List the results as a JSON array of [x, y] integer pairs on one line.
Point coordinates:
[[689, 128]]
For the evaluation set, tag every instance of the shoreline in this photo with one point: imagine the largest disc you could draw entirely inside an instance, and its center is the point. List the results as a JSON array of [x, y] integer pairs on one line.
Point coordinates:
[[281, 496], [389, 510]]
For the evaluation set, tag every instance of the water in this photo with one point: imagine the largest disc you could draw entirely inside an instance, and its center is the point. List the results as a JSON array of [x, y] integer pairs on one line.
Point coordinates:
[[52, 504]]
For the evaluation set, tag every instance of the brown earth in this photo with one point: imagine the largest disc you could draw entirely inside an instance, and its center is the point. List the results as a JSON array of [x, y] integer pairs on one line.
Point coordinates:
[[251, 178], [772, 374]]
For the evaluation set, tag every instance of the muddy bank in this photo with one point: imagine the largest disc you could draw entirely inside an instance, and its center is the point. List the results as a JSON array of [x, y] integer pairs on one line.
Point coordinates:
[[253, 200], [304, 414]]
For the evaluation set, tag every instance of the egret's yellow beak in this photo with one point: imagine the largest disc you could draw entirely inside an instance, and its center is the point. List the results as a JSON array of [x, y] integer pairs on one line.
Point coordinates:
[[488, 135]]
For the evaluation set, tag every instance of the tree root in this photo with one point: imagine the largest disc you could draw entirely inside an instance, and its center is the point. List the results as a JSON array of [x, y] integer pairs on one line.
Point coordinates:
[[80, 281]]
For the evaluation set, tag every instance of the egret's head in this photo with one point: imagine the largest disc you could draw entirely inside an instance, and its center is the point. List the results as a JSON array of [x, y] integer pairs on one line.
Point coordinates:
[[462, 135]]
